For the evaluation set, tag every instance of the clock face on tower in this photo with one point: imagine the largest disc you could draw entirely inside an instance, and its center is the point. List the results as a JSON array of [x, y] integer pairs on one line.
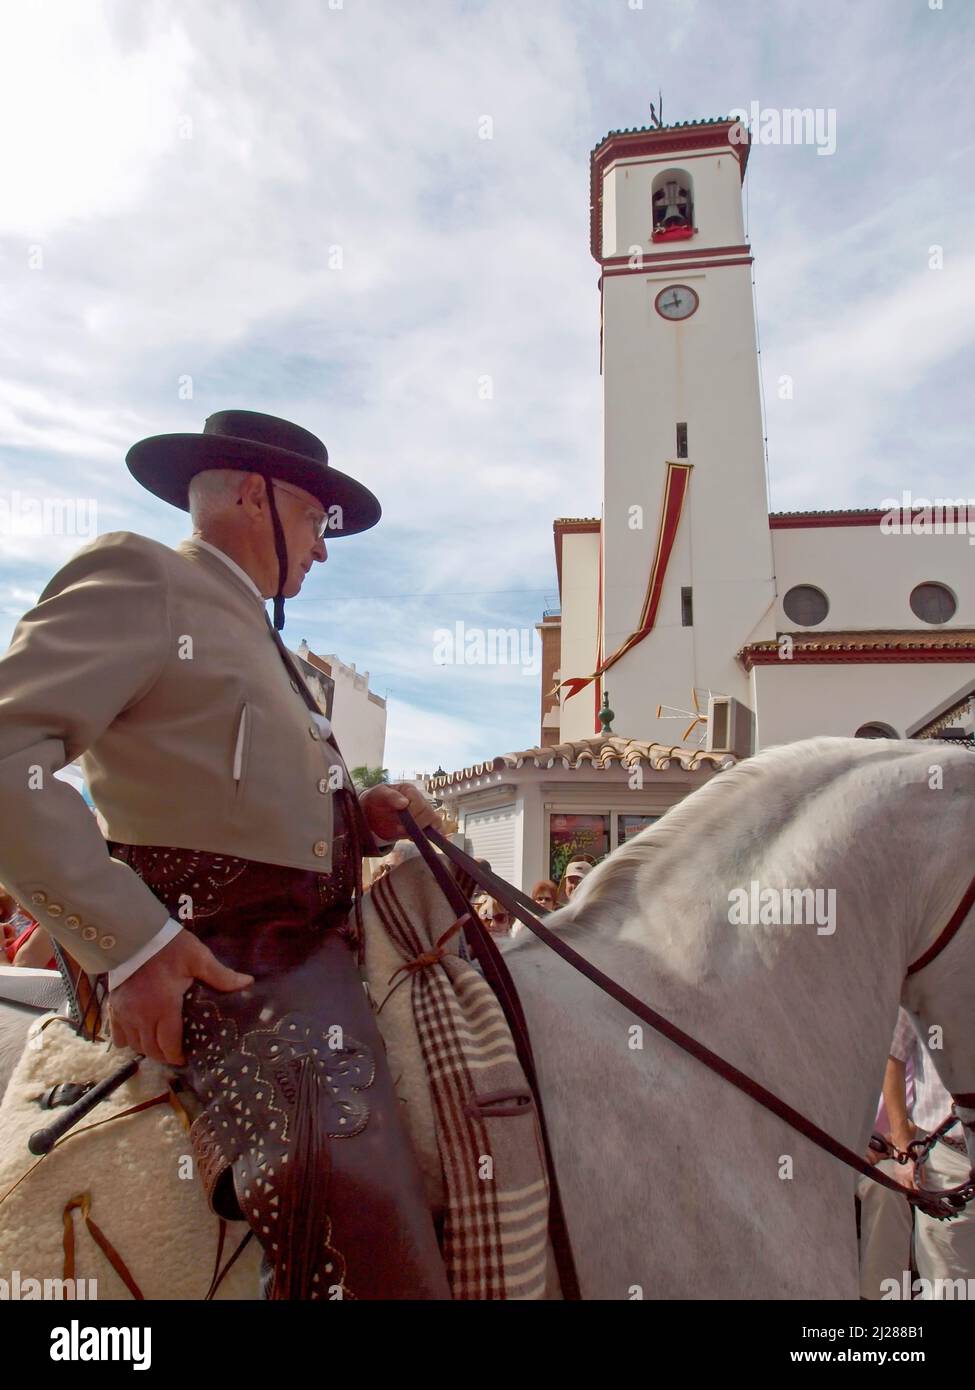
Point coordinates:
[[676, 302]]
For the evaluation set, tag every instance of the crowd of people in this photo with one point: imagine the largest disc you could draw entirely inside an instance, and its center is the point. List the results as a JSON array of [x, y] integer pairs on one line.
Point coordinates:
[[547, 895]]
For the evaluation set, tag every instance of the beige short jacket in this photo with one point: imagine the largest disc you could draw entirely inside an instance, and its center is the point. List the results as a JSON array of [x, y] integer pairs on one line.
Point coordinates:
[[158, 669]]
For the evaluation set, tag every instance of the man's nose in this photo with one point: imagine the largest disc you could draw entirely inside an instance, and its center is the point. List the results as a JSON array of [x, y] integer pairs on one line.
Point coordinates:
[[319, 552]]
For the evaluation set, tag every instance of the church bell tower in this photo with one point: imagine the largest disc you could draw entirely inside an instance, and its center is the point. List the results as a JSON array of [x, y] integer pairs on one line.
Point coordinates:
[[680, 387]]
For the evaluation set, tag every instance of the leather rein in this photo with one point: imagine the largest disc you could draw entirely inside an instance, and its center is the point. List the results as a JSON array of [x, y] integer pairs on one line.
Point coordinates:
[[942, 1205]]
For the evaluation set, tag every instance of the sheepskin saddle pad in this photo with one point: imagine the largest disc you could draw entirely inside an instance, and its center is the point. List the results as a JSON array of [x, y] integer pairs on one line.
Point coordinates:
[[116, 1205]]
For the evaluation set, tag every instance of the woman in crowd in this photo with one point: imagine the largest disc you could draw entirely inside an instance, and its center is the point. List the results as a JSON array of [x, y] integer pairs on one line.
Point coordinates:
[[545, 895]]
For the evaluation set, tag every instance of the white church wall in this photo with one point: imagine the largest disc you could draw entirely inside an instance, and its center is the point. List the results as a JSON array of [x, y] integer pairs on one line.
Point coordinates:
[[838, 698], [580, 593], [702, 372], [868, 577]]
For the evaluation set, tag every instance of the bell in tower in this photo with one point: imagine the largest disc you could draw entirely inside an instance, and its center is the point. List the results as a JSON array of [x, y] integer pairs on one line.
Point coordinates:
[[673, 213]]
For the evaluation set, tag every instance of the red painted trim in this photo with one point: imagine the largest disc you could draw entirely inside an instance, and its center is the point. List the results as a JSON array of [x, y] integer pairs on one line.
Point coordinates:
[[674, 266], [789, 521], [612, 261], [674, 234], [653, 142], [864, 656], [623, 161], [675, 490], [697, 302]]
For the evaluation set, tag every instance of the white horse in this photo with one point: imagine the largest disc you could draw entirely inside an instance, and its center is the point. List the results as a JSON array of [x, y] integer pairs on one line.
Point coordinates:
[[675, 1184], [15, 1020]]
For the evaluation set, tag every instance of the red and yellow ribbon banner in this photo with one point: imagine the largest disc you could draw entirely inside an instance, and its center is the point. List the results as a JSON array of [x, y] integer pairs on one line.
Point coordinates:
[[675, 490]]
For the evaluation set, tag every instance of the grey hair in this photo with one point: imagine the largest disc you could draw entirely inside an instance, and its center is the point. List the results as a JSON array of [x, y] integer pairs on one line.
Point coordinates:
[[213, 492]]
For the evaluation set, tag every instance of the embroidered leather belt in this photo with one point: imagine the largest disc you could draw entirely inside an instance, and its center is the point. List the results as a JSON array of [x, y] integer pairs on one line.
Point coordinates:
[[300, 1130], [258, 917]]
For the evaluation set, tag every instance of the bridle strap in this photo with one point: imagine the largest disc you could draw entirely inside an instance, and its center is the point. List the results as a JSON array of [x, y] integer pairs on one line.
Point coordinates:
[[957, 917], [281, 550], [939, 1204]]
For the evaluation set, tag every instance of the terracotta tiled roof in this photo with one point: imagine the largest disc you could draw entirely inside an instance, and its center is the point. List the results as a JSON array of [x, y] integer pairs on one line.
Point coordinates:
[[655, 129], [603, 751], [932, 644], [830, 511]]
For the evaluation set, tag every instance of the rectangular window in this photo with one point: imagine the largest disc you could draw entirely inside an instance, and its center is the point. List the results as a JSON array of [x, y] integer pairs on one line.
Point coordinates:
[[574, 836], [628, 826], [682, 441], [687, 607]]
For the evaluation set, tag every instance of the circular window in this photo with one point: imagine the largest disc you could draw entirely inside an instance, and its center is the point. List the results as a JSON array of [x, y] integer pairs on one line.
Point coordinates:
[[805, 605], [933, 603], [875, 731]]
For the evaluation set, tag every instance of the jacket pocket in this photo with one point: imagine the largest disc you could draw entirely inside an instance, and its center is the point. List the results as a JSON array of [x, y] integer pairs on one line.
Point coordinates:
[[241, 742]]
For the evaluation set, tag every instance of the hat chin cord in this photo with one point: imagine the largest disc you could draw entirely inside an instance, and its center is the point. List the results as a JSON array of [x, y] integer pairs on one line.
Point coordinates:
[[281, 547]]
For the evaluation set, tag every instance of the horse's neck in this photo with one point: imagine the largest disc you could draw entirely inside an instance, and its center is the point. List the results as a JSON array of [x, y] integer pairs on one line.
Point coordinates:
[[809, 1013], [810, 1017]]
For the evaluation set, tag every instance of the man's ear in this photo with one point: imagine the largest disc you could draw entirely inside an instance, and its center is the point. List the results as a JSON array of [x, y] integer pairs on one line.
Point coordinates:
[[254, 490]]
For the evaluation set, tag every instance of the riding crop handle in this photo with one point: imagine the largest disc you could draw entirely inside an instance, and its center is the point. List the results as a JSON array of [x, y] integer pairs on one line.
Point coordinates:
[[42, 1141]]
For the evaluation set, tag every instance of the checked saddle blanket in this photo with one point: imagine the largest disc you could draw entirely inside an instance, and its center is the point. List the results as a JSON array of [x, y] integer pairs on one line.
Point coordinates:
[[468, 1106]]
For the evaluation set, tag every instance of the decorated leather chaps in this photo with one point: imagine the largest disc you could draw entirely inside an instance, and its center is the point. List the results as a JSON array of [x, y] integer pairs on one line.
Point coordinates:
[[299, 1131]]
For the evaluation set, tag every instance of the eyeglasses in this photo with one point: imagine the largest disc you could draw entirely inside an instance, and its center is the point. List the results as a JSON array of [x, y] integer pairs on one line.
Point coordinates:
[[318, 519], [501, 918], [545, 898]]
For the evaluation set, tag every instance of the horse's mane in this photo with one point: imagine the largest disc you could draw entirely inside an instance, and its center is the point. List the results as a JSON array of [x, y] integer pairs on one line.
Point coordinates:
[[783, 772]]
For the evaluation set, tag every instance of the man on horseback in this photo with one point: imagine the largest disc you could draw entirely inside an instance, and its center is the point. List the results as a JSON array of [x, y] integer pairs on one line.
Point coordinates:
[[219, 910]]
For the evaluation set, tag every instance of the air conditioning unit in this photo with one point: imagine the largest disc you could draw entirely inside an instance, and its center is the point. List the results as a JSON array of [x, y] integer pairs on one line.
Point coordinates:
[[729, 726]]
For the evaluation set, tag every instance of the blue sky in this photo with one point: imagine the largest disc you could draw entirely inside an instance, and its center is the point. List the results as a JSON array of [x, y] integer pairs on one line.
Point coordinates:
[[177, 176]]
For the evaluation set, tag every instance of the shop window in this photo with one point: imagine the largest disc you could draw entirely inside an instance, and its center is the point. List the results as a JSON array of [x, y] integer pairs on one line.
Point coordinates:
[[628, 826], [573, 836]]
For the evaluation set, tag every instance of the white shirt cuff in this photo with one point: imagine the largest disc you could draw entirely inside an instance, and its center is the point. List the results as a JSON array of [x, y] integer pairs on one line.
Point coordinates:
[[128, 967]]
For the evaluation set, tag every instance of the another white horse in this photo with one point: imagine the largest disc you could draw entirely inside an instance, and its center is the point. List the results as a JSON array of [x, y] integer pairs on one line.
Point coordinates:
[[15, 1020], [675, 1184]]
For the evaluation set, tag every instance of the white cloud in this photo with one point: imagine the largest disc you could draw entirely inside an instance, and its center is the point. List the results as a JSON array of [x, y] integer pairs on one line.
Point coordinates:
[[90, 125], [189, 170]]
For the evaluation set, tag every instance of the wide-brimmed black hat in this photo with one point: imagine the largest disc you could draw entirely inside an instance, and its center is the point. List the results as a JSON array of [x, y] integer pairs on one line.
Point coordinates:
[[254, 443]]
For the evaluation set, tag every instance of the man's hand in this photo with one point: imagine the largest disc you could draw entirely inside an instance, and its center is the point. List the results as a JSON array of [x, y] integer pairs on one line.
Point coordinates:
[[147, 1008], [382, 804]]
